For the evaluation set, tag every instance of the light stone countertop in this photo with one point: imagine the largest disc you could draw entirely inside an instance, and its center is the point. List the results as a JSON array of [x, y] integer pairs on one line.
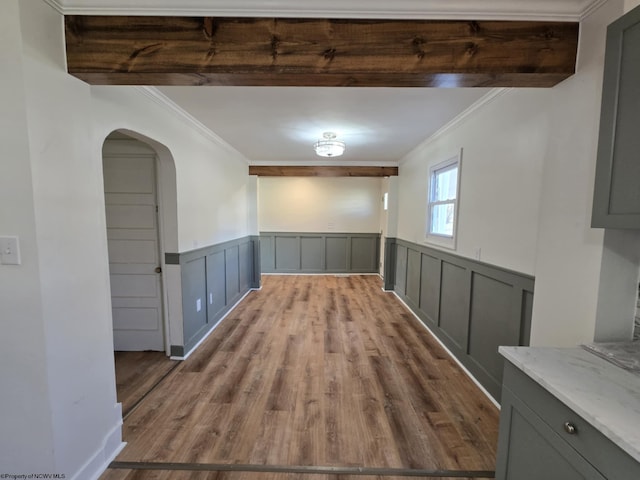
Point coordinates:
[[605, 395]]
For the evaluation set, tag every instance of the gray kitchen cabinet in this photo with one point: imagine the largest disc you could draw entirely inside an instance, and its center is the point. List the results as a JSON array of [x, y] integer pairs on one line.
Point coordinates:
[[541, 438], [616, 202]]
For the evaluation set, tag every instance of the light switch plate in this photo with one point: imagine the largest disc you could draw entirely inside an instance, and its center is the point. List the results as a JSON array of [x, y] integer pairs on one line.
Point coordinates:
[[9, 250]]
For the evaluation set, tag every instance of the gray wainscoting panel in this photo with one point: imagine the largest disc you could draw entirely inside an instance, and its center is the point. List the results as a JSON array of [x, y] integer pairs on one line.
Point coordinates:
[[365, 252], [216, 285], [401, 269], [472, 307], [194, 294], [287, 253], [246, 265], [267, 253], [214, 278], [319, 252], [311, 253], [232, 272], [413, 276], [454, 319], [389, 271], [337, 254], [492, 305], [430, 275], [256, 271]]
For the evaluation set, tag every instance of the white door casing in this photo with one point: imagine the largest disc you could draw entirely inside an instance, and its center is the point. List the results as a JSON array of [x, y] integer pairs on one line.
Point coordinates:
[[134, 254]]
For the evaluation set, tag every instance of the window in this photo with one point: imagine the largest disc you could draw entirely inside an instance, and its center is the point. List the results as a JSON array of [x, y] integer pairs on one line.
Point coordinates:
[[442, 209]]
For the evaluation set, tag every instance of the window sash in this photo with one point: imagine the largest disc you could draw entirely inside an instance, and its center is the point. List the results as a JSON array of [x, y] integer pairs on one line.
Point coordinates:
[[433, 218], [435, 174], [443, 212]]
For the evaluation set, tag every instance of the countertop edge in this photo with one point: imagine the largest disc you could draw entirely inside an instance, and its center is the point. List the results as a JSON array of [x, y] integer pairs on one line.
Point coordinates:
[[559, 370]]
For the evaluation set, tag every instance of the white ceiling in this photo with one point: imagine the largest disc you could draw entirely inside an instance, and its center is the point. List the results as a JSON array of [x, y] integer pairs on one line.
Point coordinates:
[[280, 124]]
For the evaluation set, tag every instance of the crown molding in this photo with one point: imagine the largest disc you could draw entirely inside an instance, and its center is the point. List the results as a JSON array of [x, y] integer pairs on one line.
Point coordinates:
[[459, 119], [556, 10], [55, 5], [159, 98], [591, 8]]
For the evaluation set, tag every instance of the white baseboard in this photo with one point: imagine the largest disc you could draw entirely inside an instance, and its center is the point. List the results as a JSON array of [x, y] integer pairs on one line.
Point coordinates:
[[455, 359], [184, 357], [111, 447]]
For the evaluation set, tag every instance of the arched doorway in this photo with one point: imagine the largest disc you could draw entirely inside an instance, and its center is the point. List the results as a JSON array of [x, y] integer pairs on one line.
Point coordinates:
[[140, 207], [135, 265]]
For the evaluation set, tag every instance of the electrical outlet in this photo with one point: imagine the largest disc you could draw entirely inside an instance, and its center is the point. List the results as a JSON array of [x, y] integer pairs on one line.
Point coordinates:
[[477, 253], [9, 251]]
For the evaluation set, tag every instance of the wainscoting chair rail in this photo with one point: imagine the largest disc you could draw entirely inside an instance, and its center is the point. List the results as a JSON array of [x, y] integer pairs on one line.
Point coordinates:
[[473, 307]]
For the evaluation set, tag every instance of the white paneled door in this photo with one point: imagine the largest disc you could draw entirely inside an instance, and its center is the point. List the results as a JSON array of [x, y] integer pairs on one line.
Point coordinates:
[[134, 263]]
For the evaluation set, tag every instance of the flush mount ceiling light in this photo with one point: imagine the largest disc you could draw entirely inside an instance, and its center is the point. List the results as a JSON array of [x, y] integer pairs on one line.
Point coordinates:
[[329, 146]]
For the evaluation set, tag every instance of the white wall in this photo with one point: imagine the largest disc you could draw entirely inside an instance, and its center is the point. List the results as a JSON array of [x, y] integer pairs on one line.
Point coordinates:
[[569, 251], [503, 150], [394, 207], [252, 218], [71, 249], [526, 189], [317, 204], [388, 218], [213, 187], [57, 351], [630, 4], [25, 400], [216, 199]]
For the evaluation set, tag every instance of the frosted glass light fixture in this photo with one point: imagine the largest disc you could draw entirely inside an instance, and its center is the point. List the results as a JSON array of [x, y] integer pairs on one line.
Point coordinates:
[[329, 146]]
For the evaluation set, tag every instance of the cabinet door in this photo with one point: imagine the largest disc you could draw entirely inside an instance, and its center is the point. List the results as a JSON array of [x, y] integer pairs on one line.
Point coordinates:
[[529, 449], [616, 202]]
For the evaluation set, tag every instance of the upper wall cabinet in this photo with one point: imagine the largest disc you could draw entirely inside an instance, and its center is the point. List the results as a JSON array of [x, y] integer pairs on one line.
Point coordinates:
[[616, 202]]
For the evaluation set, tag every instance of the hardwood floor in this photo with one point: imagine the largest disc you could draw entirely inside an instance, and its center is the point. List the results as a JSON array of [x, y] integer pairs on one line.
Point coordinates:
[[137, 373], [181, 475], [315, 371]]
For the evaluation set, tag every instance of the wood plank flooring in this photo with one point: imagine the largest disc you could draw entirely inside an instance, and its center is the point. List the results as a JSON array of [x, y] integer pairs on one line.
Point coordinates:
[[182, 475], [314, 371], [137, 373]]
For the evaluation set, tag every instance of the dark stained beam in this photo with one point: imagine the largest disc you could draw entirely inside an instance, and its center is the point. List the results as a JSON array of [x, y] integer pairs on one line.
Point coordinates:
[[132, 50], [322, 171]]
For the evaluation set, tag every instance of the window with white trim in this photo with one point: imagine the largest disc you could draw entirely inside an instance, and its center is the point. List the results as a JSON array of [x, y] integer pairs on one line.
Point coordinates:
[[442, 208]]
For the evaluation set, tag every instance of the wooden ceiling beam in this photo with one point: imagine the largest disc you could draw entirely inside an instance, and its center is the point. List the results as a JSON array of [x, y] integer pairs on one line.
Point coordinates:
[[148, 50], [321, 171]]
